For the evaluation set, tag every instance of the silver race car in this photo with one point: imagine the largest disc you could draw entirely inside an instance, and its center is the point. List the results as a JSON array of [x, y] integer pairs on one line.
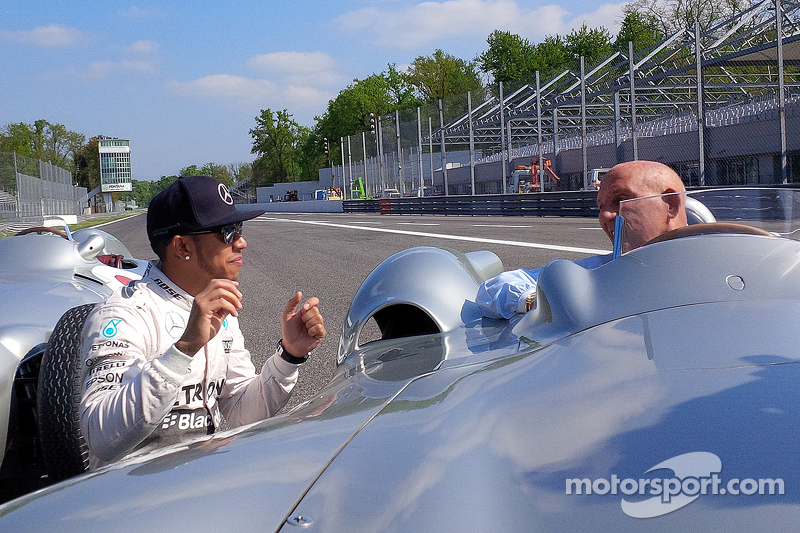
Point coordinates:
[[658, 392], [44, 272]]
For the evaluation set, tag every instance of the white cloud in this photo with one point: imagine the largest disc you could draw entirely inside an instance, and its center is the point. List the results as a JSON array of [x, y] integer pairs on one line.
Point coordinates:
[[137, 12], [249, 95], [224, 86], [301, 82], [47, 36], [428, 22], [140, 57], [101, 70], [313, 68], [144, 48]]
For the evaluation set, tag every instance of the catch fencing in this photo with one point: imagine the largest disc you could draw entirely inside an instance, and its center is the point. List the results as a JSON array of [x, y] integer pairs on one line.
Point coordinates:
[[31, 189], [719, 105]]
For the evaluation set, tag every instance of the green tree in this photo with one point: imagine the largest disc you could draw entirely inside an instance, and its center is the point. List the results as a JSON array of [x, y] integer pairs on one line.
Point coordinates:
[[675, 15], [275, 140], [641, 29], [158, 186], [53, 143], [445, 77], [140, 192], [594, 44], [509, 58], [17, 138], [349, 112], [87, 164], [214, 170], [552, 56], [240, 172], [191, 170], [401, 92], [441, 75], [311, 155]]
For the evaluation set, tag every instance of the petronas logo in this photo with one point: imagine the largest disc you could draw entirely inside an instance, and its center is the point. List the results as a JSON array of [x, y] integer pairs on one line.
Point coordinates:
[[110, 329]]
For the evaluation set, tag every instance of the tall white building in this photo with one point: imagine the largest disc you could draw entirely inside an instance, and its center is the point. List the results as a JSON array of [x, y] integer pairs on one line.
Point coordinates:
[[115, 165]]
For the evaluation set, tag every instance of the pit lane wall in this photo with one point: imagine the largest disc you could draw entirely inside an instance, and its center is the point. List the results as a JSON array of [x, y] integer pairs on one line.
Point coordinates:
[[310, 206], [562, 203]]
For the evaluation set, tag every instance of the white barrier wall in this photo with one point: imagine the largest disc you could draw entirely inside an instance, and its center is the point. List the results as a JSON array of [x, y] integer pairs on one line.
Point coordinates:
[[310, 206]]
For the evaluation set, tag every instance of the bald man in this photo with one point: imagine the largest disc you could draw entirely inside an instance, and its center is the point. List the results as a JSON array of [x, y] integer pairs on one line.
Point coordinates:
[[513, 292]]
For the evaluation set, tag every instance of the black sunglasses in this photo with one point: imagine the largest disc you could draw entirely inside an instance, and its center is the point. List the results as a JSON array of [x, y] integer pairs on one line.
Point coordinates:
[[229, 232]]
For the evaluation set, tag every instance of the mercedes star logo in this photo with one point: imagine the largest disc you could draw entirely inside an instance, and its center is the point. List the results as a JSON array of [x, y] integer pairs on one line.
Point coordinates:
[[174, 324], [225, 194]]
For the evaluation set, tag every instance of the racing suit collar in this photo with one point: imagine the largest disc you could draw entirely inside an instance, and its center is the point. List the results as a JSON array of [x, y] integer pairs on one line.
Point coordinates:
[[165, 287]]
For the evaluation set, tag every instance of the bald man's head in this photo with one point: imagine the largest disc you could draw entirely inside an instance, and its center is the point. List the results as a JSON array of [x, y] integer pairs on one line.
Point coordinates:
[[645, 219]]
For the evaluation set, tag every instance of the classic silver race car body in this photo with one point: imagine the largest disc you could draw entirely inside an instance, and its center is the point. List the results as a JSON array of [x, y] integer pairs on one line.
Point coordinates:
[[41, 277], [655, 393]]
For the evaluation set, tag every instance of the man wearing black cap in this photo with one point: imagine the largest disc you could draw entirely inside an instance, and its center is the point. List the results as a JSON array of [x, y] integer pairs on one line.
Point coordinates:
[[164, 359]]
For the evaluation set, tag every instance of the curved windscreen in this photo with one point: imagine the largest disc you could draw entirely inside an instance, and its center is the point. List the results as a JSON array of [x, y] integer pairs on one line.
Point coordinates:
[[732, 210]]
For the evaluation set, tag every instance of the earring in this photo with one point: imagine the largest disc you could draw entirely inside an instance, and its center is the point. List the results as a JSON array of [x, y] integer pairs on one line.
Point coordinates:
[[187, 257]]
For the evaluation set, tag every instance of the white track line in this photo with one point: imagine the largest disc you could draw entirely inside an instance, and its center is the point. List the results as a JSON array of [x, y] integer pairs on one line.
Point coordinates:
[[590, 251]]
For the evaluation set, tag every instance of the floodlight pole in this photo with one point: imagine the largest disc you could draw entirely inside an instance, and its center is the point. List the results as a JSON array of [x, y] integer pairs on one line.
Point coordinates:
[[781, 91], [701, 113]]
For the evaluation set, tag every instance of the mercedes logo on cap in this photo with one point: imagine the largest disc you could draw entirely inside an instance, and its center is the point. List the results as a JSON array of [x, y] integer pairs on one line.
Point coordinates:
[[225, 194]]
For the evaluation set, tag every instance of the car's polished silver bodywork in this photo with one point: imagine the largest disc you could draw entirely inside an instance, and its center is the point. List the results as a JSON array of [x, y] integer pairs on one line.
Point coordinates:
[[42, 276], [684, 350]]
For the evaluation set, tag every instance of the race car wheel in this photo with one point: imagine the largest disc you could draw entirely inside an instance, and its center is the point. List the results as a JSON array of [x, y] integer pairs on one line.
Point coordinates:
[[63, 448], [42, 230]]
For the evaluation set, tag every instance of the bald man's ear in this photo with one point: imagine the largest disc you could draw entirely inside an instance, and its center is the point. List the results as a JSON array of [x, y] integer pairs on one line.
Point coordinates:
[[677, 206]]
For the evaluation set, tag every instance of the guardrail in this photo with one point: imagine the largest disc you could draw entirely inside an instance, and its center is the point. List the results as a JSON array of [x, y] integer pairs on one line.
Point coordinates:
[[559, 204]]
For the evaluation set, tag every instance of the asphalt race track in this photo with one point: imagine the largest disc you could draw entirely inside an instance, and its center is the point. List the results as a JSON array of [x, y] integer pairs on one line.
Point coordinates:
[[329, 255]]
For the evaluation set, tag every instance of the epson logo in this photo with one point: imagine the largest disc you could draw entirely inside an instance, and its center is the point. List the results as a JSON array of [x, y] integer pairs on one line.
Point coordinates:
[[111, 377]]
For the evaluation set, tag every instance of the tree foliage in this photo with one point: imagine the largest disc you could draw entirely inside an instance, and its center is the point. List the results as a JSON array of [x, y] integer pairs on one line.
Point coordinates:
[[642, 29], [53, 143], [441, 75], [214, 170], [87, 164], [349, 112], [674, 15], [593, 44], [277, 139], [509, 57], [240, 171], [514, 60]]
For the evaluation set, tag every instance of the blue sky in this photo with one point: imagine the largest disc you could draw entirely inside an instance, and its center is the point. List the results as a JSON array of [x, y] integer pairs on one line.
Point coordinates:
[[184, 80]]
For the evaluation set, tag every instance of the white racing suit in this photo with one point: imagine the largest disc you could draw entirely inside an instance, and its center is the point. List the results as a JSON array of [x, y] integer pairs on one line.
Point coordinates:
[[141, 393]]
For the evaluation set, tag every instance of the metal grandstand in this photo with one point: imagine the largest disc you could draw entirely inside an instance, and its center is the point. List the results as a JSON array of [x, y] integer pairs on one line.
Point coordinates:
[[742, 75]]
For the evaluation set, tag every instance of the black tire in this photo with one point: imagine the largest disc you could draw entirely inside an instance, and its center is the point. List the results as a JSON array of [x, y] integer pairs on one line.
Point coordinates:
[[63, 448]]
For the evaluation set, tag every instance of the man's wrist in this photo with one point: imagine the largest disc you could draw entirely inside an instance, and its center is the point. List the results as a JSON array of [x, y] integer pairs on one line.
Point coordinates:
[[289, 358], [185, 348]]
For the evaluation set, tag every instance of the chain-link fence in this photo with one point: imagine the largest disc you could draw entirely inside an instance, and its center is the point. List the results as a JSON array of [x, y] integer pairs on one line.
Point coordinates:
[[741, 145], [718, 106], [31, 188]]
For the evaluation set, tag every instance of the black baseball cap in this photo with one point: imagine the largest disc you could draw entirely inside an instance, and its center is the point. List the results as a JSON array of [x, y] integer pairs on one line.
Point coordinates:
[[190, 204]]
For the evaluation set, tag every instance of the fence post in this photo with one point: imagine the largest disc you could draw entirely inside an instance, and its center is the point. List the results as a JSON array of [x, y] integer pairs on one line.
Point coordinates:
[[444, 150], [781, 91], [701, 112]]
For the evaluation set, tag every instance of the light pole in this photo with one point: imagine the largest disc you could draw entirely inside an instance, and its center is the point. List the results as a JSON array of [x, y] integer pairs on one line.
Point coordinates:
[[374, 126], [328, 157]]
